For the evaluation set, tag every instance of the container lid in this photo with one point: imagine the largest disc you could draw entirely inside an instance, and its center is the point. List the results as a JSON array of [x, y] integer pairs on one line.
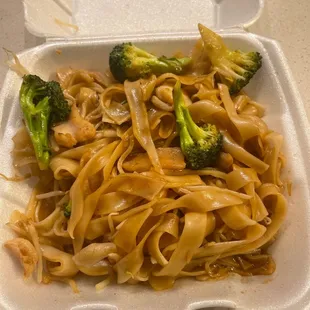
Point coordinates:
[[97, 18]]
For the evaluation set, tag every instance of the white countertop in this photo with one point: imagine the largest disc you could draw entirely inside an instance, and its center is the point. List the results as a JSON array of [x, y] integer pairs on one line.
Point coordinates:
[[284, 20]]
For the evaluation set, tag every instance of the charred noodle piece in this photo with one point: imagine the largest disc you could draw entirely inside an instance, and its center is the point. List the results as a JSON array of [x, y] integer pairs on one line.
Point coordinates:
[[201, 146], [43, 105], [236, 68], [128, 62]]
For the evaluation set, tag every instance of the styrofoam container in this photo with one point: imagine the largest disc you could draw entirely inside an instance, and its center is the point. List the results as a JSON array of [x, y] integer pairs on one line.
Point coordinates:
[[288, 287]]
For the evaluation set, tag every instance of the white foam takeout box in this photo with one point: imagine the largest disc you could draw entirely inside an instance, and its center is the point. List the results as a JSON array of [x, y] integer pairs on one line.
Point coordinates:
[[163, 27]]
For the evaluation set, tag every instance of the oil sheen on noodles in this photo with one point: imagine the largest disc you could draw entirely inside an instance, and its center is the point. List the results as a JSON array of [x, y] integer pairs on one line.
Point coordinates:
[[137, 213]]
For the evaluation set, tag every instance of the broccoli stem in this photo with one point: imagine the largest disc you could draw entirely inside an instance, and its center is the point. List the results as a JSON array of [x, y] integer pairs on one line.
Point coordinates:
[[195, 131], [37, 119], [42, 129], [184, 119], [179, 106]]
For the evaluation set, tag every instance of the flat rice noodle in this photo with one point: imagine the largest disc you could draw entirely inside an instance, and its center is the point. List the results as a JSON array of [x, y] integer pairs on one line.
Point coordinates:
[[59, 227], [87, 95], [95, 164], [169, 226], [259, 211], [117, 153], [123, 157], [246, 128], [147, 87], [126, 236], [185, 80], [254, 232], [122, 217], [64, 168], [211, 224], [94, 253], [90, 260], [250, 110], [140, 123], [165, 93], [161, 105], [66, 267], [134, 184], [46, 225], [259, 108], [107, 95], [69, 77], [78, 152], [175, 181], [207, 111], [87, 101], [240, 102], [235, 217], [190, 240], [161, 283], [239, 153], [247, 179], [277, 218], [116, 202], [170, 158], [259, 123], [240, 177], [207, 92], [117, 112], [162, 122], [210, 199], [272, 144], [130, 264], [163, 98], [204, 172], [96, 228], [74, 90], [100, 269]]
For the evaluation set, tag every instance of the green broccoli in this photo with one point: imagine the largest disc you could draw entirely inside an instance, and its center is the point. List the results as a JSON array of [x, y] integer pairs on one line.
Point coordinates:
[[235, 68], [200, 145], [67, 209], [43, 105], [130, 62]]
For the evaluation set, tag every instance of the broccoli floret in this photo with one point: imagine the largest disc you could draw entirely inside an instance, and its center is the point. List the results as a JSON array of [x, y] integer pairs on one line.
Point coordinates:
[[59, 105], [235, 68], [67, 209], [130, 62], [43, 105], [200, 145]]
